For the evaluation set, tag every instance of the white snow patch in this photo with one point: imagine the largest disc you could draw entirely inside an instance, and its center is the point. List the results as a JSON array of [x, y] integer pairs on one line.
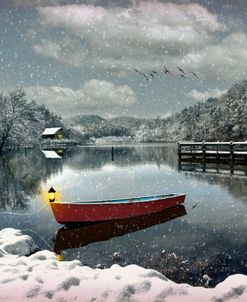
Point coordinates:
[[204, 95], [51, 154], [12, 241], [41, 277], [51, 131]]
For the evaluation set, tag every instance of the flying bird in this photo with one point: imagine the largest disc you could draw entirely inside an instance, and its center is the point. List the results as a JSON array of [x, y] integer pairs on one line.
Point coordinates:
[[180, 69], [146, 77], [165, 70], [194, 74]]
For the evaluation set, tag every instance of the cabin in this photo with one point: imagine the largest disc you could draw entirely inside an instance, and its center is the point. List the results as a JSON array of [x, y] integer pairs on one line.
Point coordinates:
[[53, 133]]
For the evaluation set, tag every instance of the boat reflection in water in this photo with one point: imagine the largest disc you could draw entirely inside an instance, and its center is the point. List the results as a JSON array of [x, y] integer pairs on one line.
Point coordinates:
[[75, 236]]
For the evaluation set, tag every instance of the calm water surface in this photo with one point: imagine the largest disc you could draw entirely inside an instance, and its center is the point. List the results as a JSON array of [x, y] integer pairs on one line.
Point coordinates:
[[210, 229]]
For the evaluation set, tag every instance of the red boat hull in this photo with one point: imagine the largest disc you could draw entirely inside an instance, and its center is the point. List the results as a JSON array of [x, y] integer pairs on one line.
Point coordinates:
[[71, 237], [80, 212]]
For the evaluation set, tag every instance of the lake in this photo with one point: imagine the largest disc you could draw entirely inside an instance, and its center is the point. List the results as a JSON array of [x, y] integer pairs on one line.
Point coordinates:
[[205, 237]]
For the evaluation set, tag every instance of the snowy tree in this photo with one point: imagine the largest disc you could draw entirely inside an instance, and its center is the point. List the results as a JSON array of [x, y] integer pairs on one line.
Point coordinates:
[[15, 115]]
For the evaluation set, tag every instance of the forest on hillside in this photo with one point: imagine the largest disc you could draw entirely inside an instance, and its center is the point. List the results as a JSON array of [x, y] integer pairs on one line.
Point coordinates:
[[224, 119]]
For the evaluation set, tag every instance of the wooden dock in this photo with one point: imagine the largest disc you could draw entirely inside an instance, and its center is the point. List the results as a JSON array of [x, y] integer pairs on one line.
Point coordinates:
[[232, 153]]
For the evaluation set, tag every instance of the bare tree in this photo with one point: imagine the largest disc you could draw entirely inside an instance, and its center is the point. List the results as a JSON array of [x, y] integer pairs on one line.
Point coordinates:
[[16, 114]]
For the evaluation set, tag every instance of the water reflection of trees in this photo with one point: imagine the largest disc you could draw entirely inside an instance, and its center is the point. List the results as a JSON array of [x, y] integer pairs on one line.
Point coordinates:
[[11, 193], [97, 157], [124, 156], [21, 173], [235, 185]]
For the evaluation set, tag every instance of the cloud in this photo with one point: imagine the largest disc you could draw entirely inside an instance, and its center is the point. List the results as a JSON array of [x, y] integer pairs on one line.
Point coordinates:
[[148, 14], [19, 3], [94, 96], [145, 35], [204, 95], [66, 51]]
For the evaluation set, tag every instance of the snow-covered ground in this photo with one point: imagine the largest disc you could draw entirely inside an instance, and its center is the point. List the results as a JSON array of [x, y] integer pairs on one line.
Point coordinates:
[[41, 277]]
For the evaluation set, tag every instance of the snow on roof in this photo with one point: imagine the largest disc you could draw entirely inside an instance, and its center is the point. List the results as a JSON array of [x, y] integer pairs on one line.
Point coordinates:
[[41, 277], [51, 131], [50, 154]]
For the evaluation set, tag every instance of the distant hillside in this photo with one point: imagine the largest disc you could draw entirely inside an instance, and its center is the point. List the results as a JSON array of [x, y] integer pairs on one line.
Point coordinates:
[[90, 126], [130, 123], [221, 119]]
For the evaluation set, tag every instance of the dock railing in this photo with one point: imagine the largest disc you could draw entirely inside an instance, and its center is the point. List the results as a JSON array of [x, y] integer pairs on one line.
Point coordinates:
[[230, 152]]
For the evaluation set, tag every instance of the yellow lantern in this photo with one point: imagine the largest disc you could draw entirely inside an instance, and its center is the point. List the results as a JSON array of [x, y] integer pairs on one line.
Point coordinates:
[[52, 194]]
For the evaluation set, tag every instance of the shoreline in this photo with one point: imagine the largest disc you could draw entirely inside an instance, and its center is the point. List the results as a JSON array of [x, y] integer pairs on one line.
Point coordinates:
[[41, 277]]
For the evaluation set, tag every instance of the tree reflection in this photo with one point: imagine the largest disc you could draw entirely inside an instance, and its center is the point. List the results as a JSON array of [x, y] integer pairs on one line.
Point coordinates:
[[235, 184], [21, 173], [94, 157], [23, 170], [11, 193]]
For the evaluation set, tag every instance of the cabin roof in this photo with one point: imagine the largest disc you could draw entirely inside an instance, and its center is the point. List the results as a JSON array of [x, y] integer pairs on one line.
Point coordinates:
[[51, 131]]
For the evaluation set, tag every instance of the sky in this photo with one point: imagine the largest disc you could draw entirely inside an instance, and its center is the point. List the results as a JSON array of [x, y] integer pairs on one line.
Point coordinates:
[[81, 57]]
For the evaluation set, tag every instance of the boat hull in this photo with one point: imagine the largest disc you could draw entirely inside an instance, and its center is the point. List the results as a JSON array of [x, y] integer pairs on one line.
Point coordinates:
[[66, 213], [82, 234]]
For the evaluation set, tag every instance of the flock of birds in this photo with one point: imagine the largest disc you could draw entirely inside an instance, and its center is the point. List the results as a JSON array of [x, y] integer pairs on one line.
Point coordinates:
[[151, 75]]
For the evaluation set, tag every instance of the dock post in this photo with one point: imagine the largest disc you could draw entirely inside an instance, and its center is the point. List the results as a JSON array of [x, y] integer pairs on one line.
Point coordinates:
[[232, 157], [179, 151], [217, 153], [203, 152], [203, 156], [112, 153]]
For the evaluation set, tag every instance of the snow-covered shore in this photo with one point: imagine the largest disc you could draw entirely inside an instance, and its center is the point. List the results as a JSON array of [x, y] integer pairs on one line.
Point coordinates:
[[41, 277]]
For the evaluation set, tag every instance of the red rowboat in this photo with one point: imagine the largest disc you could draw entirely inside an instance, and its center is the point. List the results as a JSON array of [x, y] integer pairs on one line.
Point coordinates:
[[111, 209], [76, 236]]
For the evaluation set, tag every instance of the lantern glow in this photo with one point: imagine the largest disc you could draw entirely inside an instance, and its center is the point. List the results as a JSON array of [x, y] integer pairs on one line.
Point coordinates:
[[52, 194]]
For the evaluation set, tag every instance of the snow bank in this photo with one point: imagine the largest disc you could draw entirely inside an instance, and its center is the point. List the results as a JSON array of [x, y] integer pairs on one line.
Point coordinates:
[[12, 241], [41, 277]]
